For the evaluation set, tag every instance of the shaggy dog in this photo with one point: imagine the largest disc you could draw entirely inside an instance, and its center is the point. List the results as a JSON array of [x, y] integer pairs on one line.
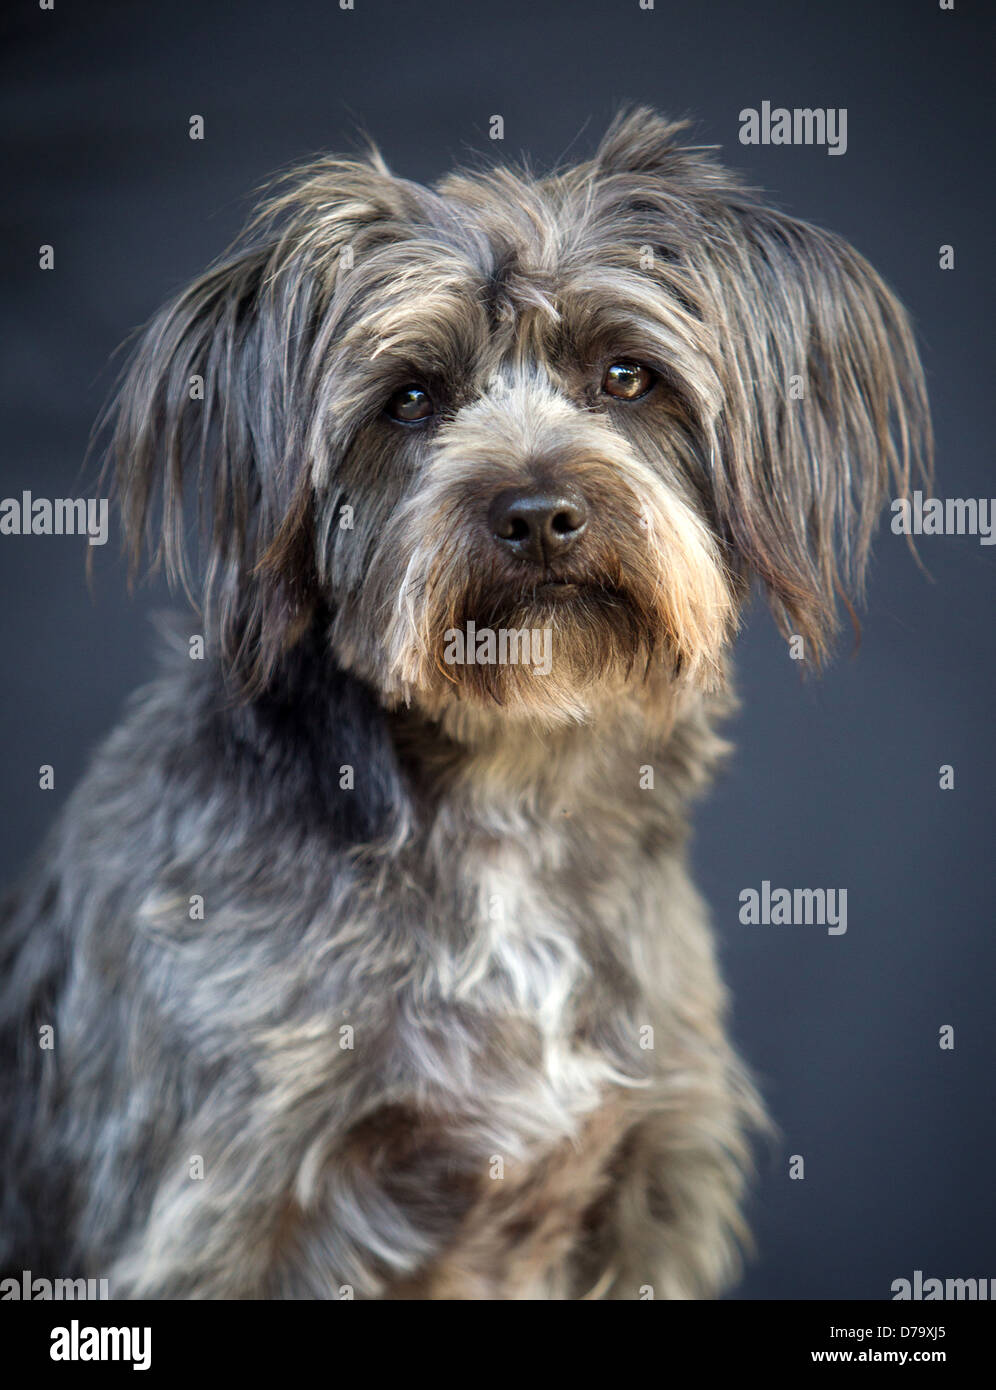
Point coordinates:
[[365, 960]]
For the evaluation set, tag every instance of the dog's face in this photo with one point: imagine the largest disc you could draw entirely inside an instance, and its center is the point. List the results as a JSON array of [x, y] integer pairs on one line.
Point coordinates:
[[594, 405]]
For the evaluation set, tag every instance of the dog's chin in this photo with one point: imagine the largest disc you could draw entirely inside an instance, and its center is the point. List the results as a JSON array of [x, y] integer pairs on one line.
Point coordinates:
[[554, 653]]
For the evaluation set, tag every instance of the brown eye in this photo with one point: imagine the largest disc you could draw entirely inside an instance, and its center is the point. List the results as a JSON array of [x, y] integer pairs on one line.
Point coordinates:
[[410, 405], [627, 381]]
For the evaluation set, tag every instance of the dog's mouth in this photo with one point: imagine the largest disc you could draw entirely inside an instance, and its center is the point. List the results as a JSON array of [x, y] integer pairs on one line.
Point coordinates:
[[585, 594], [556, 582], [578, 600], [558, 589]]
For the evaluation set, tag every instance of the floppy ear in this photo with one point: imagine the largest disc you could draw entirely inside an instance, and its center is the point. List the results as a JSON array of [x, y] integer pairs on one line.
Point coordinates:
[[216, 410], [825, 412], [823, 405]]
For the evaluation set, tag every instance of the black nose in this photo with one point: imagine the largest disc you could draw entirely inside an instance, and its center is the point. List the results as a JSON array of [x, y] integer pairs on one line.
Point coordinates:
[[537, 526]]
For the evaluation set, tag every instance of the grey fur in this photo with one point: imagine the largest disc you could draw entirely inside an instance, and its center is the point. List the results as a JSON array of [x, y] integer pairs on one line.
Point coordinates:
[[497, 908]]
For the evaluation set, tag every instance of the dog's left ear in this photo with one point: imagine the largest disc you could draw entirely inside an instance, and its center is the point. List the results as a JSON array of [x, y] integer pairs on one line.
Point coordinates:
[[825, 412], [823, 407]]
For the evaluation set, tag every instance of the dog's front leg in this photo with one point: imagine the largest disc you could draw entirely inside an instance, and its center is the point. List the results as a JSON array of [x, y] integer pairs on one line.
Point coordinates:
[[670, 1224], [352, 1222]]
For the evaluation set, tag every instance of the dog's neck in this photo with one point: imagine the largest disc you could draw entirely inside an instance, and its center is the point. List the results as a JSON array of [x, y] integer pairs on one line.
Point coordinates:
[[493, 764], [481, 763]]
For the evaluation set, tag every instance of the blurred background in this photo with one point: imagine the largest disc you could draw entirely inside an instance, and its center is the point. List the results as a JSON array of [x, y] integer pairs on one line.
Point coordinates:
[[834, 783]]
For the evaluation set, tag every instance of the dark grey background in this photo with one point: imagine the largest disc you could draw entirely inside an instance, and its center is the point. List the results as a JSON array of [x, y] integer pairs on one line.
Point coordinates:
[[834, 783]]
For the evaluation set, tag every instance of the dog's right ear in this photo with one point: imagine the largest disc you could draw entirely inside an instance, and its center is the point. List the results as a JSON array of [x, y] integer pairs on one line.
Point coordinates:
[[213, 416]]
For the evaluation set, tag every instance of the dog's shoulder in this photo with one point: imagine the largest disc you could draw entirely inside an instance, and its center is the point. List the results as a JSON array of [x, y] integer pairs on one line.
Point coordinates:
[[313, 750]]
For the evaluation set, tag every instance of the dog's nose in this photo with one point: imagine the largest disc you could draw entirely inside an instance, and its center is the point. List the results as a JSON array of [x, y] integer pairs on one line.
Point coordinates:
[[537, 526]]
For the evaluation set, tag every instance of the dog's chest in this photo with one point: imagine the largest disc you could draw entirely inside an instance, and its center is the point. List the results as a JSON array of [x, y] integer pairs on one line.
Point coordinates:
[[516, 948], [499, 1060], [525, 972]]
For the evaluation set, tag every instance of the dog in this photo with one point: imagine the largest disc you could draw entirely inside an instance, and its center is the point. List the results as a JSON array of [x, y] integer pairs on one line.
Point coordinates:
[[358, 968]]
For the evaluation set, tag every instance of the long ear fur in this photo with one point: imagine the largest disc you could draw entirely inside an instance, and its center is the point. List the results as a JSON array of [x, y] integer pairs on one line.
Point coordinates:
[[826, 413], [217, 402], [824, 404]]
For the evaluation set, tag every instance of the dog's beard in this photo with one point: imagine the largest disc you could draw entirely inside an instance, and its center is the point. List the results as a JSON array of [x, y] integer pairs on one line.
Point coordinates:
[[648, 602]]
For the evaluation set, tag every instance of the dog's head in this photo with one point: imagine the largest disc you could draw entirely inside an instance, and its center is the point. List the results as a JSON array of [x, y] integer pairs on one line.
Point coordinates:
[[595, 404]]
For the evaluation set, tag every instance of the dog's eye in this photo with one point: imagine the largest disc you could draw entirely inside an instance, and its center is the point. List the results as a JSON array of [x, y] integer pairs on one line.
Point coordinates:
[[410, 405], [627, 381]]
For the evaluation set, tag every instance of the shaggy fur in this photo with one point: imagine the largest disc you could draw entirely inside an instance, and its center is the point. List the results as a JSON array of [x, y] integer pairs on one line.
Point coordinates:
[[454, 1030]]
